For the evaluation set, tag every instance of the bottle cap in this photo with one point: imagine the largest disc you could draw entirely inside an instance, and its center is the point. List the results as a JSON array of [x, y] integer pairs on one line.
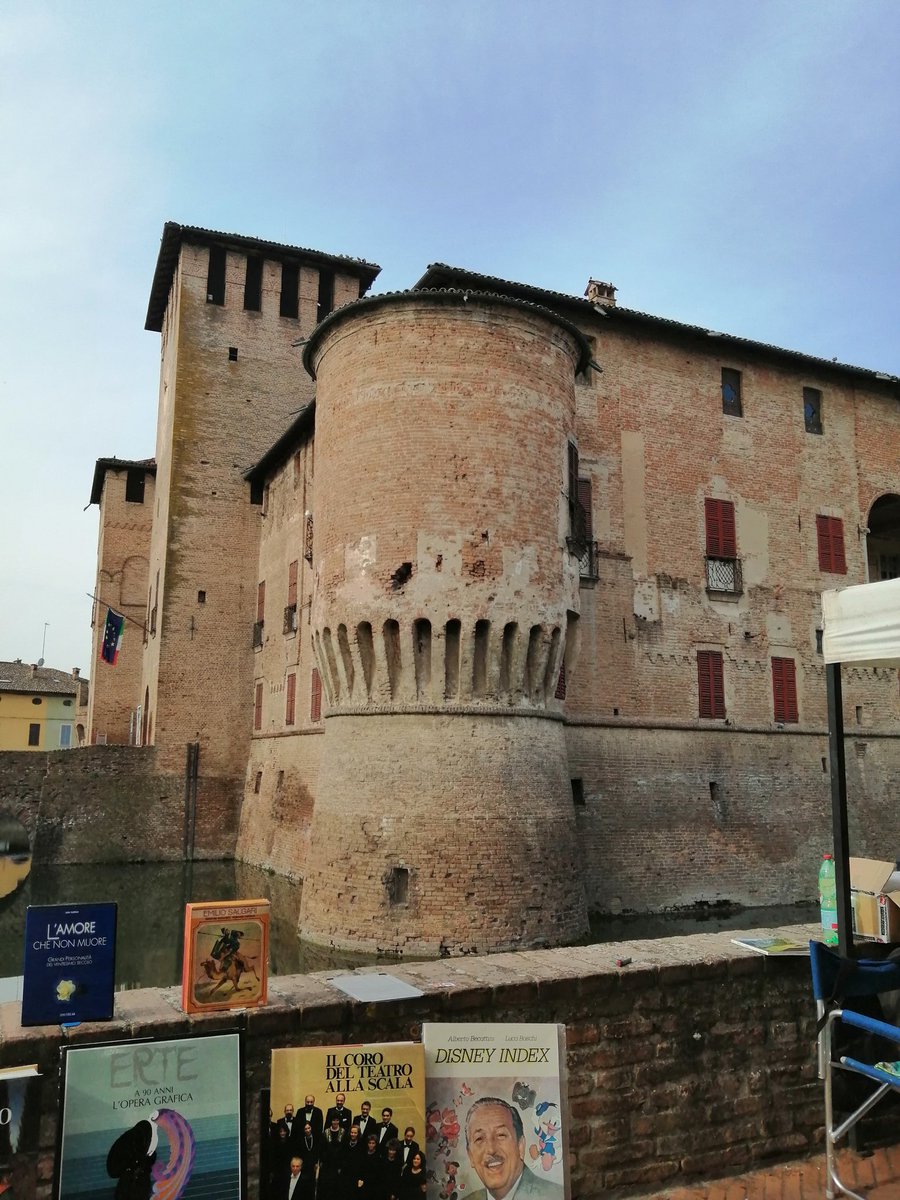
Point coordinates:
[[832, 856]]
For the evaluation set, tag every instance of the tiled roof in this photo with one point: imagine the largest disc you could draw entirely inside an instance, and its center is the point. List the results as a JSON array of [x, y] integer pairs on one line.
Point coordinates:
[[37, 681], [174, 235], [442, 275], [116, 464]]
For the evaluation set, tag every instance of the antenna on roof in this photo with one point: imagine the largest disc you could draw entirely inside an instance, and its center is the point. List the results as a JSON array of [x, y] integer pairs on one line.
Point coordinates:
[[40, 661]]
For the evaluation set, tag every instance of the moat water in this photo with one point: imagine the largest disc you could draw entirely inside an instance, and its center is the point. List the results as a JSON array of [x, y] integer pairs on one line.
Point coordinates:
[[151, 899]]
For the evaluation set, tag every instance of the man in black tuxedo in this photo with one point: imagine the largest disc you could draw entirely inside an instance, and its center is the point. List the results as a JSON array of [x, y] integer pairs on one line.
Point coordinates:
[[291, 1184], [311, 1115], [290, 1123], [366, 1122], [408, 1146], [386, 1130], [343, 1114]]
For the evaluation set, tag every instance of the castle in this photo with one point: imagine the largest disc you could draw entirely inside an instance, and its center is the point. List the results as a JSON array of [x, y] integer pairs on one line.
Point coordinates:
[[480, 606]]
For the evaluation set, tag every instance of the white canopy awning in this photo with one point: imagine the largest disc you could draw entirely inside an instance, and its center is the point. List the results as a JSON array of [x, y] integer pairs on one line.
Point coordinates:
[[862, 623]]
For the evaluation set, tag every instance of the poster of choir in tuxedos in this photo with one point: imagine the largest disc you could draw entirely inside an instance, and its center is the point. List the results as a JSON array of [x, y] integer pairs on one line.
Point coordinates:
[[160, 1118], [346, 1121], [496, 1123]]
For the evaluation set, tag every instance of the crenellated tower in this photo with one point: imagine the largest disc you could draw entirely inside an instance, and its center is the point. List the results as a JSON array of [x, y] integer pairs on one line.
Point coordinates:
[[444, 616]]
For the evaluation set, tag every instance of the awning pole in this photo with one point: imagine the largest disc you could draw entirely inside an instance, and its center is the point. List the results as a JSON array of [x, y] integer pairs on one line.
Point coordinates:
[[839, 807]]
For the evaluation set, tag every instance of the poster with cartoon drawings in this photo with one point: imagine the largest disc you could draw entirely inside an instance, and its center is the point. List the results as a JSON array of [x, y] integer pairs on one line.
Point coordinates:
[[152, 1120], [495, 1116]]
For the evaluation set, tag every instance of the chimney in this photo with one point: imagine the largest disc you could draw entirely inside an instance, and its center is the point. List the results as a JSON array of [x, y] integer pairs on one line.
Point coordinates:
[[33, 670], [601, 294], [76, 671]]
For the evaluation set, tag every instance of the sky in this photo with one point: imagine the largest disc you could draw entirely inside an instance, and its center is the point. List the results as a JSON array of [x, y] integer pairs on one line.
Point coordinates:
[[735, 166]]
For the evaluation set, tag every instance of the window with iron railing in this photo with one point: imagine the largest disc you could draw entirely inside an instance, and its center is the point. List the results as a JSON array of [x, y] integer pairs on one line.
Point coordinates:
[[290, 619], [257, 635], [723, 567]]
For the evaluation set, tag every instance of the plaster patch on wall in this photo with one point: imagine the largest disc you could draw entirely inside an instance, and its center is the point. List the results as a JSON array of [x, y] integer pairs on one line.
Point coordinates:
[[753, 544], [646, 599], [778, 629], [634, 502], [437, 553], [360, 557]]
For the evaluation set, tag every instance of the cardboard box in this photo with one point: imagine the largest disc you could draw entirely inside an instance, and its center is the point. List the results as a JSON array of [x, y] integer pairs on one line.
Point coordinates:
[[875, 899]]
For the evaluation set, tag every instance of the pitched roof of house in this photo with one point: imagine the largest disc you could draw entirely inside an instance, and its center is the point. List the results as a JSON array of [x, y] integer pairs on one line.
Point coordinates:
[[39, 681]]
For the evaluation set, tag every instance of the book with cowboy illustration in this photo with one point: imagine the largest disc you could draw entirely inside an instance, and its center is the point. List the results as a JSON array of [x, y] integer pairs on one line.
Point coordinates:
[[226, 955]]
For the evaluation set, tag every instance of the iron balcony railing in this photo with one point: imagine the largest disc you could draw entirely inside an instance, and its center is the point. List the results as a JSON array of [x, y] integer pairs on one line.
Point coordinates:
[[724, 575]]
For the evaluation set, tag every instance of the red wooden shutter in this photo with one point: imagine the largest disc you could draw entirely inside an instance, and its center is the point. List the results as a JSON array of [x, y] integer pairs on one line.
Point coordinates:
[[721, 531], [315, 695], [292, 583], [711, 683], [784, 689], [587, 507], [830, 538], [261, 602], [289, 700], [257, 708]]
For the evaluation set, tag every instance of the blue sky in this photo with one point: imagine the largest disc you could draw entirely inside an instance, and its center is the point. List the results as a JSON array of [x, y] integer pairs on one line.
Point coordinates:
[[733, 165]]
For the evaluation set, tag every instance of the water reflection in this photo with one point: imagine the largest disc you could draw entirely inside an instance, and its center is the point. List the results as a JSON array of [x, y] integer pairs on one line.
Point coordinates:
[[151, 899], [152, 896], [15, 853]]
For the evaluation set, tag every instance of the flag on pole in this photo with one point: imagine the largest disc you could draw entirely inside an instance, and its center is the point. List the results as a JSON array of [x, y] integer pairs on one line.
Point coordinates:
[[112, 637]]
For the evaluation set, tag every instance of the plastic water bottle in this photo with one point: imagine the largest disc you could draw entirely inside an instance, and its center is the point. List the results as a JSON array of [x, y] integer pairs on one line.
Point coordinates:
[[828, 900]]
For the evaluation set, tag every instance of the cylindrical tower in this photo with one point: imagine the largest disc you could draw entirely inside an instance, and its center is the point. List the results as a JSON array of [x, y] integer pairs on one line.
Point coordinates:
[[445, 606]]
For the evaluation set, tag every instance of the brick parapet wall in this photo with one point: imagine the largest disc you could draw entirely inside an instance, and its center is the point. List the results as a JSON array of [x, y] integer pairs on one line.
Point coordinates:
[[695, 1059]]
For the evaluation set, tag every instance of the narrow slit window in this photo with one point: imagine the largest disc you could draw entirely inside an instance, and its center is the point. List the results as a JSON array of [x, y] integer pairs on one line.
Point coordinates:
[[812, 410], [215, 278], [290, 279], [732, 398], [253, 284], [326, 294]]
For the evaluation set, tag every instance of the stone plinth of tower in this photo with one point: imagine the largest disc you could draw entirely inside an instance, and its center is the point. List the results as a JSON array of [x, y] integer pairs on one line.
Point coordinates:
[[445, 610]]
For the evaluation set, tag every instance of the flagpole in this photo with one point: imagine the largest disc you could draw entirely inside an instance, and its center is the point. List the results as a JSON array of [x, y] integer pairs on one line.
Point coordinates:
[[124, 616]]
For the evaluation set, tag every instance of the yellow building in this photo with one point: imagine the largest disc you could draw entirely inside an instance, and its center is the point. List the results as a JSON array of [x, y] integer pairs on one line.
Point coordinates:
[[39, 707]]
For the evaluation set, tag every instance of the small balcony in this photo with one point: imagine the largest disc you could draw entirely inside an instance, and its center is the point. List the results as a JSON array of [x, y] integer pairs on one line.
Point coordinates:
[[724, 576], [290, 619], [258, 635], [587, 563]]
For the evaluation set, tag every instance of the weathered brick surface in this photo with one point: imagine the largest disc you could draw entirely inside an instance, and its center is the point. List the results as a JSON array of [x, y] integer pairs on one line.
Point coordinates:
[[122, 565], [113, 804], [730, 1096]]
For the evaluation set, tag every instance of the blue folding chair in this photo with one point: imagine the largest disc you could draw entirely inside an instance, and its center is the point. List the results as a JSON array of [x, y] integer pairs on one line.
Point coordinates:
[[836, 979]]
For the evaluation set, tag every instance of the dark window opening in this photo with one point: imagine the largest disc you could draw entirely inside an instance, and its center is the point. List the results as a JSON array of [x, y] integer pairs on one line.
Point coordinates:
[[34, 735], [578, 792], [731, 392], [134, 486], [253, 284], [232, 353], [215, 279], [326, 294], [257, 782], [201, 597], [397, 884], [37, 700], [257, 491], [818, 641], [812, 410], [290, 278], [711, 683]]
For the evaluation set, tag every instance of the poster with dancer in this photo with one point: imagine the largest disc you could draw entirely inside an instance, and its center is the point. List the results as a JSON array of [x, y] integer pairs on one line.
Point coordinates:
[[495, 1116], [152, 1119]]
